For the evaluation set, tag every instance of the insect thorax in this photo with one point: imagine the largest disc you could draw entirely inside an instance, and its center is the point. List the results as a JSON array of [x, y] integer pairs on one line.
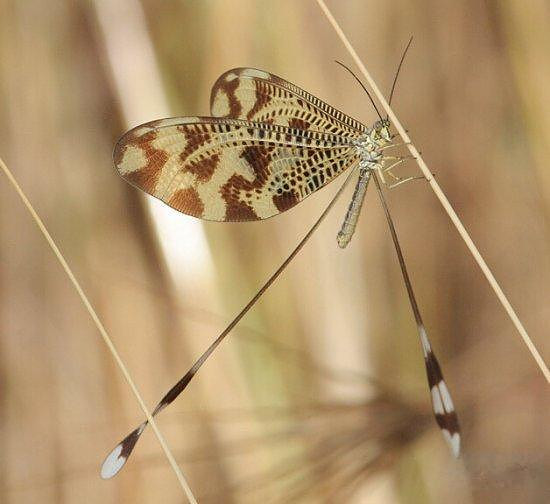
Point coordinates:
[[371, 143]]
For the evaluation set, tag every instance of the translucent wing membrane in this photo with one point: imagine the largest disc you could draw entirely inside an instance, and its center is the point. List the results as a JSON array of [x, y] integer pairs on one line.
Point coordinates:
[[230, 170], [255, 95]]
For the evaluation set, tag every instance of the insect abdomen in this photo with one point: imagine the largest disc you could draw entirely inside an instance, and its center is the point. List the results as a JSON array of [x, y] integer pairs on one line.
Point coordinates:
[[354, 209]]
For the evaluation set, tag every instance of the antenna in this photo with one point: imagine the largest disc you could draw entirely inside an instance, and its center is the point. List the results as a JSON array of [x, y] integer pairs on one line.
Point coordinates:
[[119, 455], [398, 69], [362, 85]]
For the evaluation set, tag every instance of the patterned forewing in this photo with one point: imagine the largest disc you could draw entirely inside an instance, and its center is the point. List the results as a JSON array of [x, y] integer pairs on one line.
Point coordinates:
[[255, 95], [230, 170]]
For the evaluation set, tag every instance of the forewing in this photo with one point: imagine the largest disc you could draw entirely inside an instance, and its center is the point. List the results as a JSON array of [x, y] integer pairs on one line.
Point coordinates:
[[255, 95], [229, 170]]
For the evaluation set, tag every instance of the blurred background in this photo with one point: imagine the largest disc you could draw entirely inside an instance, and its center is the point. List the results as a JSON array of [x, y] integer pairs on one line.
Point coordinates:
[[319, 395]]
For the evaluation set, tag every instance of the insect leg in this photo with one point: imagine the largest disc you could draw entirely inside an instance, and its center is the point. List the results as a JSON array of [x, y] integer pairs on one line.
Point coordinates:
[[403, 180]]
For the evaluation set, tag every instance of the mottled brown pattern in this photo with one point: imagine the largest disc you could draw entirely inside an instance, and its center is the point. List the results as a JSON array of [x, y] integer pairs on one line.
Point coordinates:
[[204, 168], [285, 201], [187, 201], [229, 89], [240, 211], [262, 99], [298, 123], [258, 157], [196, 135], [146, 177]]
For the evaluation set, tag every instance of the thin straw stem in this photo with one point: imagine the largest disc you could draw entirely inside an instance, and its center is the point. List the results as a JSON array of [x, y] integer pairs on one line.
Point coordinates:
[[101, 328], [440, 195]]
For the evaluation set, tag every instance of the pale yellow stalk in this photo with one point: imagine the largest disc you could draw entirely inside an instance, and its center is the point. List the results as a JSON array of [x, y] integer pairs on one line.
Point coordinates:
[[440, 195]]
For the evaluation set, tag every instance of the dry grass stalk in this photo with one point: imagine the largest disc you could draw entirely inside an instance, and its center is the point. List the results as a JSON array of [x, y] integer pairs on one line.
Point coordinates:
[[440, 195], [101, 328]]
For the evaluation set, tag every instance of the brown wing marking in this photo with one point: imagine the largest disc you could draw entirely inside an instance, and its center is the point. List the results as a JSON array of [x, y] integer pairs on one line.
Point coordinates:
[[150, 158], [263, 99], [227, 101], [187, 201], [285, 201], [258, 158]]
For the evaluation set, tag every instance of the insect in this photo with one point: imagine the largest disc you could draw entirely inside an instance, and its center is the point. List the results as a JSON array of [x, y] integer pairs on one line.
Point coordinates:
[[268, 145]]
